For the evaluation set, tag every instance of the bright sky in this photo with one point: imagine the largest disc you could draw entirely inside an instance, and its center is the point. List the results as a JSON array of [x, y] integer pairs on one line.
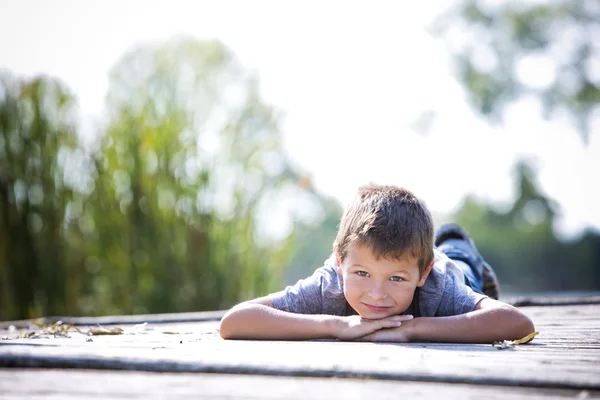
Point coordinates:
[[351, 76]]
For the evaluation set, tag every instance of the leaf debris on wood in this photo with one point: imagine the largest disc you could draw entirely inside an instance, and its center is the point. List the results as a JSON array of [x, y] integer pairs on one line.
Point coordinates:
[[506, 344], [57, 329], [100, 330], [39, 330]]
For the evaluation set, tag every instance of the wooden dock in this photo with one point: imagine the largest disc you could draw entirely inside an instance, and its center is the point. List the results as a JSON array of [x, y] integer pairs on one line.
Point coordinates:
[[182, 356]]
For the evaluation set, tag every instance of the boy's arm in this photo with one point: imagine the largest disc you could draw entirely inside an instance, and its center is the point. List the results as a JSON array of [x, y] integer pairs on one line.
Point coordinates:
[[490, 321], [257, 319]]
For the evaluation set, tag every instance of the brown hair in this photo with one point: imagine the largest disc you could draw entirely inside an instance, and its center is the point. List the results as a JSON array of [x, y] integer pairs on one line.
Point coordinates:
[[390, 220]]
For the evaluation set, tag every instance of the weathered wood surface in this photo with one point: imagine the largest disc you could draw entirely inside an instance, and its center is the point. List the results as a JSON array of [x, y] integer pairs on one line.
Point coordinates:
[[564, 359], [517, 301], [32, 384]]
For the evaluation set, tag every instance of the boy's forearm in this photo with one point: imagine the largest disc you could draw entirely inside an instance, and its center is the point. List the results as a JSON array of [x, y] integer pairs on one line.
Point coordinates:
[[257, 321], [480, 326]]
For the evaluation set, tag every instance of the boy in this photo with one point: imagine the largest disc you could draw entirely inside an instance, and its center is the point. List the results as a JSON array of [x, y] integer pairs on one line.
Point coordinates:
[[387, 280]]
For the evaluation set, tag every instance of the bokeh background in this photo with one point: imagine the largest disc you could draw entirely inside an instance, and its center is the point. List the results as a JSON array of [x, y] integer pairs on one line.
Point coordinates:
[[165, 156]]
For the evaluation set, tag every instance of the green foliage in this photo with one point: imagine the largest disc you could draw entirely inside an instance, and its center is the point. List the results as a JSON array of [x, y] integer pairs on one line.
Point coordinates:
[[492, 39], [163, 212], [521, 246], [167, 210], [313, 243], [492, 43], [36, 131]]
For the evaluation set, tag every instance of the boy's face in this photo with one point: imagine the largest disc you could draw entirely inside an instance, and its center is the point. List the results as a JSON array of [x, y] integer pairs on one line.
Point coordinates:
[[378, 288]]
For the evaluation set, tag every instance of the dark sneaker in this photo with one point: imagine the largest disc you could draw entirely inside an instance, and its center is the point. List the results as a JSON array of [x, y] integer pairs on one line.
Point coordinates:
[[452, 231], [447, 232], [491, 286]]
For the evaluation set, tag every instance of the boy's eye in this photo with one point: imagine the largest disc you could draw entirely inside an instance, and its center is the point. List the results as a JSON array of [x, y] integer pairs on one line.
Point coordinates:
[[362, 273], [396, 279]]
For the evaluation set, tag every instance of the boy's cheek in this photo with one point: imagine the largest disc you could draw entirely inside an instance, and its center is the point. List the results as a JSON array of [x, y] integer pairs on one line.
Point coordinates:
[[350, 282]]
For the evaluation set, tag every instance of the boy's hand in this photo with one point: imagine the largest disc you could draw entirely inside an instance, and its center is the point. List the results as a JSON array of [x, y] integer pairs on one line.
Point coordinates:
[[400, 334], [354, 327]]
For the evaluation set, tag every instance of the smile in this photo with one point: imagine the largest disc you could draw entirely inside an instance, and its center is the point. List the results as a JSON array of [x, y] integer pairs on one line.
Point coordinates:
[[376, 308]]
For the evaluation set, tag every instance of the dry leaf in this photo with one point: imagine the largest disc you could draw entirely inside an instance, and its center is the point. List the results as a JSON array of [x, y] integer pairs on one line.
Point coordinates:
[[56, 330], [526, 339], [501, 345], [104, 331], [505, 344]]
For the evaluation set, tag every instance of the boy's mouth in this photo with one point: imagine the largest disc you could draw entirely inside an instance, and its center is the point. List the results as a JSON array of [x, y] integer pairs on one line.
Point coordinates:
[[376, 308]]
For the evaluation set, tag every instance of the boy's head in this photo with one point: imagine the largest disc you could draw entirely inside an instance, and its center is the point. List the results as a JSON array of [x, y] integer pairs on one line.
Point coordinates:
[[384, 249], [389, 220]]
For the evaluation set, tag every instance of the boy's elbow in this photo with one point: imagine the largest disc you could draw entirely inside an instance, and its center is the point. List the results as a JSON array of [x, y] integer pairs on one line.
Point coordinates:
[[521, 325], [234, 323], [240, 321], [223, 330], [525, 327], [529, 327], [227, 326]]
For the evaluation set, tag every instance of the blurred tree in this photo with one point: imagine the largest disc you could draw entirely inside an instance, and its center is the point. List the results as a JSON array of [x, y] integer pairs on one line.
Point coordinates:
[[313, 243], [37, 130], [505, 51], [186, 200], [189, 155], [521, 246]]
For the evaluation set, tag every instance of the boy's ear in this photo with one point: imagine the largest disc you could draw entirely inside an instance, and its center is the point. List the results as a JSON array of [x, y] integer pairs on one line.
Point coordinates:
[[338, 261], [425, 274]]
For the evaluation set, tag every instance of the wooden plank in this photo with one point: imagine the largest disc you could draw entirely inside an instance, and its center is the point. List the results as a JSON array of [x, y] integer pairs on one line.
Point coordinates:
[[566, 354], [461, 364], [70, 384], [520, 301], [553, 301], [121, 319]]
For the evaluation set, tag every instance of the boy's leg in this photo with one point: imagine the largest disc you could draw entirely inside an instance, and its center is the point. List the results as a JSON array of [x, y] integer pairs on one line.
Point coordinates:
[[456, 243]]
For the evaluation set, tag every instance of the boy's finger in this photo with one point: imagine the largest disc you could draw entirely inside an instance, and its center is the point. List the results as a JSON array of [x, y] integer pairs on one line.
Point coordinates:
[[390, 323], [407, 317]]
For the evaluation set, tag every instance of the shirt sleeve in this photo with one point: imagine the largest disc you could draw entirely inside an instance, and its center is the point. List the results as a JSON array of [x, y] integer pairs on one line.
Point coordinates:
[[305, 297], [457, 297], [320, 293]]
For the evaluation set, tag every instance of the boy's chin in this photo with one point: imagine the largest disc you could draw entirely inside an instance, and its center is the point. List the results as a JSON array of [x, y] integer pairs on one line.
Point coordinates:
[[378, 315]]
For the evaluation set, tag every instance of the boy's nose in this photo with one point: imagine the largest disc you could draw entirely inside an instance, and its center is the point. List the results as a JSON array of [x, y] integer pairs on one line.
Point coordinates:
[[377, 293]]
